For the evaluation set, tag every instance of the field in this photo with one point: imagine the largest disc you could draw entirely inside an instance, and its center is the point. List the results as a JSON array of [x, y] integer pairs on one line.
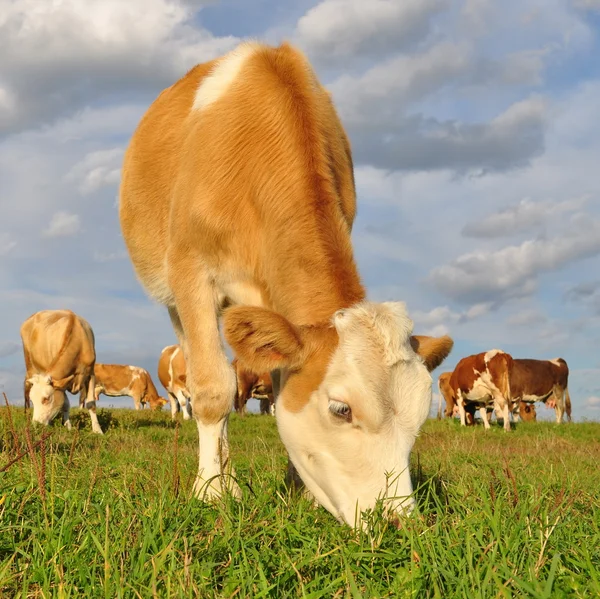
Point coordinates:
[[499, 515]]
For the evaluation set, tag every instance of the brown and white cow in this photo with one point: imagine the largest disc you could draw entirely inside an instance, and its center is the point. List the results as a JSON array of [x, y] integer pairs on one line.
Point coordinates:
[[252, 385], [484, 381], [542, 380], [118, 380], [524, 411], [238, 188], [172, 375], [59, 352]]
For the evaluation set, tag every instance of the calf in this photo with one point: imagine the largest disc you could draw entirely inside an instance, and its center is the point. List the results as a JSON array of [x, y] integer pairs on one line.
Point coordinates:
[[238, 188], [249, 384], [116, 380], [60, 354], [172, 375]]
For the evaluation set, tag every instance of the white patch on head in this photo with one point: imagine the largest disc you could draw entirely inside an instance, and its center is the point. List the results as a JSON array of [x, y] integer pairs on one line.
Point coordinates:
[[491, 354], [224, 73], [556, 362], [42, 397], [351, 443]]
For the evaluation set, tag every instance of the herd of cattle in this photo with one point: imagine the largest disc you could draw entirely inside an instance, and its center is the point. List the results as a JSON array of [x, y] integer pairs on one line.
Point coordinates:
[[59, 351], [495, 381], [236, 204]]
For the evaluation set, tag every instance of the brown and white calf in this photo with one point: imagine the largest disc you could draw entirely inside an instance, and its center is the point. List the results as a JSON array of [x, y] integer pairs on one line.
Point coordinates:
[[172, 375], [542, 380], [238, 188], [59, 352], [118, 380], [483, 380], [252, 385]]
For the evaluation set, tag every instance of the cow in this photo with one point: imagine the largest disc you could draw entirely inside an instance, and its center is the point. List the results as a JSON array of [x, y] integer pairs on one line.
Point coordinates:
[[483, 380], [237, 199], [542, 380], [172, 375], [117, 380], [59, 351], [522, 410], [250, 384]]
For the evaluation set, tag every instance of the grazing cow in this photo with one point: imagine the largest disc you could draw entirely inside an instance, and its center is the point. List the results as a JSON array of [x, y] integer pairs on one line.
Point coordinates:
[[250, 384], [542, 380], [238, 188], [59, 352], [171, 373], [117, 380], [483, 380]]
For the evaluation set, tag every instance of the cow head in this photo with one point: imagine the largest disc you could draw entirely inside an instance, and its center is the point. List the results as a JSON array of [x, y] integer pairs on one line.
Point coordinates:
[[47, 397], [353, 397], [158, 403]]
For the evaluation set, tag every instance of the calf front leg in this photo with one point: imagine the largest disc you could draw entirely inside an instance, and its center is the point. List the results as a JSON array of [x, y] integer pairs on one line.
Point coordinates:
[[211, 381], [89, 400]]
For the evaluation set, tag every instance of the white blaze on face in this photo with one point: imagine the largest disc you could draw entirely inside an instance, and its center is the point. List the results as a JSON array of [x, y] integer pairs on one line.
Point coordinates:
[[46, 403], [351, 443]]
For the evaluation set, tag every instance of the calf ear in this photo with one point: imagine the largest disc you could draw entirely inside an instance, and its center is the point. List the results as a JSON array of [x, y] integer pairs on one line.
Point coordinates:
[[262, 339], [433, 350], [62, 383]]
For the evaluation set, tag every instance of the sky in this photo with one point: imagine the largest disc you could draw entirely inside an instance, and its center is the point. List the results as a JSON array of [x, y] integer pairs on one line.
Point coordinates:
[[475, 133]]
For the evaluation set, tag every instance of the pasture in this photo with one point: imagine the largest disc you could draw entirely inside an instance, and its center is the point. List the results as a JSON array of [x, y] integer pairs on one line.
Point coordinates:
[[499, 515]]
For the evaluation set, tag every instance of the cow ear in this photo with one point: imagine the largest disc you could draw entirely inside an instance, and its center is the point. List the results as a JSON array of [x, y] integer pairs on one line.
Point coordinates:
[[62, 383], [262, 339], [433, 350]]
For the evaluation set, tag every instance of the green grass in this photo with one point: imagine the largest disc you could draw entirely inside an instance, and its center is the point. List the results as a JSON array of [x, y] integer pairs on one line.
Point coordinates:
[[499, 515]]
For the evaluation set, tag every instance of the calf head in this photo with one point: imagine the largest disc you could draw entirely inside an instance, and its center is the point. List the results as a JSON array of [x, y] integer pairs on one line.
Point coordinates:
[[354, 394], [158, 403], [47, 396]]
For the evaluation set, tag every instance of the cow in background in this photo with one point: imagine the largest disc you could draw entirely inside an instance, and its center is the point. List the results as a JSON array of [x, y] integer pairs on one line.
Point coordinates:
[[172, 375], [484, 380], [59, 351], [542, 380], [118, 380], [251, 385]]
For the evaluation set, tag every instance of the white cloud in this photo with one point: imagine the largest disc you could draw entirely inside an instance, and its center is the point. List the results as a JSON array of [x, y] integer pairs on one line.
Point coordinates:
[[592, 402], [496, 275], [60, 56], [63, 224], [521, 217], [7, 243], [526, 318], [340, 29], [96, 170], [587, 4]]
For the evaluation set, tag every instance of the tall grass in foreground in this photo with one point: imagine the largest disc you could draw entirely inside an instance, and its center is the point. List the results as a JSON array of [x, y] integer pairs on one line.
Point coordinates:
[[499, 515]]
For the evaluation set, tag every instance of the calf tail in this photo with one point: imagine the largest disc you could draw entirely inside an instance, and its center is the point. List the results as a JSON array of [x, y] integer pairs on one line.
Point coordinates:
[[568, 404], [439, 412]]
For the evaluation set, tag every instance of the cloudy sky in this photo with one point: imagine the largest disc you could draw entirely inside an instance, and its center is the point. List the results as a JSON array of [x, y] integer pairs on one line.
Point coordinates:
[[475, 130]]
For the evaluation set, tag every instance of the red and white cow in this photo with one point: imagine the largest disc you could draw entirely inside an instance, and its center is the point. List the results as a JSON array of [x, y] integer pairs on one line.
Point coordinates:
[[542, 380], [252, 385], [483, 380], [238, 188]]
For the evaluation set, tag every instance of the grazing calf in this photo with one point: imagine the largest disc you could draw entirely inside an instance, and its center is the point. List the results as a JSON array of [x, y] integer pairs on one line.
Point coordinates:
[[116, 380], [258, 386], [542, 380], [171, 373], [237, 188], [59, 352], [483, 380]]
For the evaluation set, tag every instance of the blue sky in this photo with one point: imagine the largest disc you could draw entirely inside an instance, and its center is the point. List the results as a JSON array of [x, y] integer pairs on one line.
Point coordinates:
[[475, 131]]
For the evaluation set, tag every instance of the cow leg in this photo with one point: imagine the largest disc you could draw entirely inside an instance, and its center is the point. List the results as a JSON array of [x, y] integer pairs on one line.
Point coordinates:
[[136, 401], [65, 413], [484, 417], [174, 405], [506, 416], [211, 380], [183, 404], [559, 404], [88, 399], [461, 409], [264, 405]]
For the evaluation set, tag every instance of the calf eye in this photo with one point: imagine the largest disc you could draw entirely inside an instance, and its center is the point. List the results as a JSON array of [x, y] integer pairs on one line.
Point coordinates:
[[340, 409]]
